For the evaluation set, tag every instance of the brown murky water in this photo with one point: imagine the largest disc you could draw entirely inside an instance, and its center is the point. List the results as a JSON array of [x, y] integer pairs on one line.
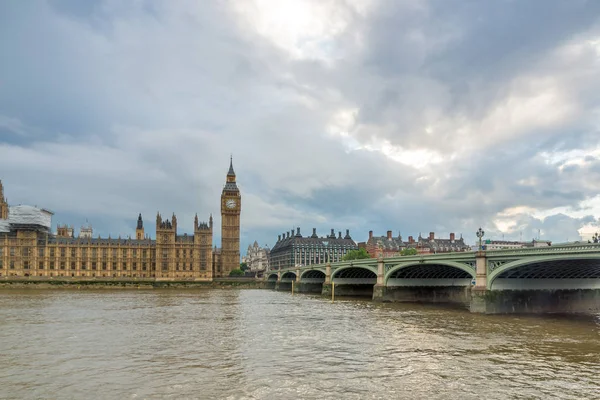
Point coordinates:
[[258, 344]]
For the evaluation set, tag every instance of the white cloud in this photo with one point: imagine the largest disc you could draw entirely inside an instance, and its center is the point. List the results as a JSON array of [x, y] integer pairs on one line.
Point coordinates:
[[369, 114]]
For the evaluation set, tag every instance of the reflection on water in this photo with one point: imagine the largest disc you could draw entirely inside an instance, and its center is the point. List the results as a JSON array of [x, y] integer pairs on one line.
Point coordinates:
[[260, 344]]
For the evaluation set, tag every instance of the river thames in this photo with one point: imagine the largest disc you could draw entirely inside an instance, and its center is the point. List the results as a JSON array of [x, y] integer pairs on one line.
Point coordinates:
[[260, 344]]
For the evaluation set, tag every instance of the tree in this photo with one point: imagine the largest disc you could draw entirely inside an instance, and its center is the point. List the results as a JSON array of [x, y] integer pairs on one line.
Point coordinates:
[[356, 255], [409, 252], [244, 266], [236, 272]]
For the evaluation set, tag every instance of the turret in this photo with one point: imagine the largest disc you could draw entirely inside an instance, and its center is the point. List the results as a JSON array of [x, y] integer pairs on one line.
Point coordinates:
[[202, 226], [3, 203], [139, 230]]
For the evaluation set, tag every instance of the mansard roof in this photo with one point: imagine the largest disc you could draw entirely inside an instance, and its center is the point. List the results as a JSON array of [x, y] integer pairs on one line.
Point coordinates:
[[231, 187], [313, 240], [395, 243]]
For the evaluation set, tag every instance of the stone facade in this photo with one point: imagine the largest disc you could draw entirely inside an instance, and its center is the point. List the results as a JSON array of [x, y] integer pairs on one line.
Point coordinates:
[[231, 205], [390, 246], [29, 249], [257, 258], [292, 249]]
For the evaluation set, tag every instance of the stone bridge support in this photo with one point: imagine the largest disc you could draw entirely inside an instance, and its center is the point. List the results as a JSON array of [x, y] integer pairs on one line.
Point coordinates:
[[326, 291], [379, 290], [479, 293], [527, 294]]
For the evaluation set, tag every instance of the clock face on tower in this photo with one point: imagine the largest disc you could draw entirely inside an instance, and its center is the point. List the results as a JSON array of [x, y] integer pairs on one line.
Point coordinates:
[[230, 203]]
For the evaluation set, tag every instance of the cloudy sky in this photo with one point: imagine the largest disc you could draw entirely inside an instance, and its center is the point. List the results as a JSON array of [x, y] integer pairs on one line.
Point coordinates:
[[413, 116]]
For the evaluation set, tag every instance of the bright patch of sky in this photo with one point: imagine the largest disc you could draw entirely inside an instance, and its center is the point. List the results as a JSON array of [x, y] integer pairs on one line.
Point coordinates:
[[348, 114]]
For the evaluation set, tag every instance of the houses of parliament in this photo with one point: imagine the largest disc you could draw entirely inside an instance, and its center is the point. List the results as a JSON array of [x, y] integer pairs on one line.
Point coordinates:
[[29, 249]]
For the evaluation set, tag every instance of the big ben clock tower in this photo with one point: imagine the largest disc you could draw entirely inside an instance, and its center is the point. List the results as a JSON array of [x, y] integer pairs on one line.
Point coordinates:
[[231, 205]]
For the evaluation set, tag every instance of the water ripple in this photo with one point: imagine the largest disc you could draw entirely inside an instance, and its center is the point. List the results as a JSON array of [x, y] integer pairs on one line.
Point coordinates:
[[253, 344]]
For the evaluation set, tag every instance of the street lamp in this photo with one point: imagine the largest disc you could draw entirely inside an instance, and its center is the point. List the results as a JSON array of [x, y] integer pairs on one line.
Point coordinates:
[[480, 234]]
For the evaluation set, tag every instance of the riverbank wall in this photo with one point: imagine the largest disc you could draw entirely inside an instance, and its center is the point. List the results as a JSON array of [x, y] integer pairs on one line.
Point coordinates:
[[223, 283]]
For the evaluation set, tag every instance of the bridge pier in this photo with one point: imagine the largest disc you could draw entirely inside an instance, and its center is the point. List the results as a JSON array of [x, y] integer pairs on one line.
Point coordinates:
[[459, 295], [308, 287], [284, 286], [479, 293], [535, 301], [271, 284], [326, 289]]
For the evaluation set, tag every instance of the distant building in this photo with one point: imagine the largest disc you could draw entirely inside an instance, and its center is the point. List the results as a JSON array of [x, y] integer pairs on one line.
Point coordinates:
[[491, 245], [28, 248], [86, 232], [501, 244], [390, 246], [385, 246], [292, 249], [539, 243], [257, 258], [65, 231]]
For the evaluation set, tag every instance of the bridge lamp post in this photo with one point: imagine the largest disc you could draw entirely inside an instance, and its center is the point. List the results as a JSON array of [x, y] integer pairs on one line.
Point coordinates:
[[480, 234]]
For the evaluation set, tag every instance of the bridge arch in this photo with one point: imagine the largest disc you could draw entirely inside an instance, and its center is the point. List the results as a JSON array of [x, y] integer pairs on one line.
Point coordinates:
[[442, 271], [354, 275], [288, 276], [567, 271], [312, 273], [312, 276], [272, 277], [336, 271]]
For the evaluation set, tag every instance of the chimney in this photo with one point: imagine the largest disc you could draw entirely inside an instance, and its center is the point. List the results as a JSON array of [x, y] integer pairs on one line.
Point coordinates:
[[370, 235], [347, 234], [332, 233], [298, 232], [452, 237], [314, 232], [389, 235], [431, 235], [339, 234], [410, 239], [278, 238]]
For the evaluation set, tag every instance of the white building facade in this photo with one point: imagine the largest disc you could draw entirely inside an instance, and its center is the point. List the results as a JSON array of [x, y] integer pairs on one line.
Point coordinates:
[[257, 258]]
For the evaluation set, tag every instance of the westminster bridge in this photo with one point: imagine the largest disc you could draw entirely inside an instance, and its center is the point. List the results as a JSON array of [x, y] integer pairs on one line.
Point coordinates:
[[540, 279]]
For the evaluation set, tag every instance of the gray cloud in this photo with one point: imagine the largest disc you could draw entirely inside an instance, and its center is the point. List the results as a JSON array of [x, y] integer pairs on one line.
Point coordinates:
[[108, 109]]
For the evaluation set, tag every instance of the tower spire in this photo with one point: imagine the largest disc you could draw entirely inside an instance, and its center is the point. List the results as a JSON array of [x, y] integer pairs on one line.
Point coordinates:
[[139, 230], [231, 172], [3, 203]]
